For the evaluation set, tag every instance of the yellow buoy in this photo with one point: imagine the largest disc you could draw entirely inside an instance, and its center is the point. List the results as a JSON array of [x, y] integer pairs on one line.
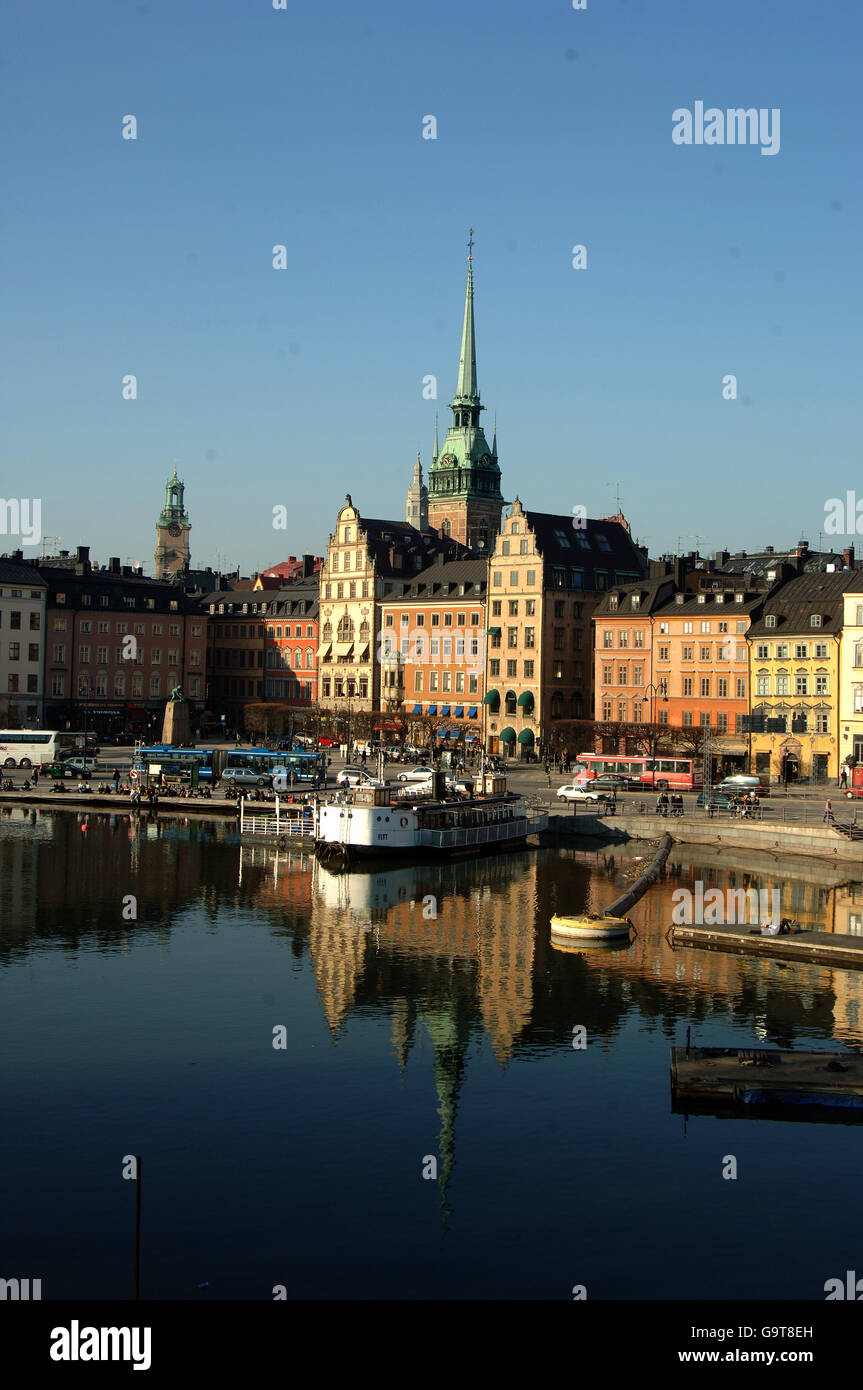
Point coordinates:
[[591, 927]]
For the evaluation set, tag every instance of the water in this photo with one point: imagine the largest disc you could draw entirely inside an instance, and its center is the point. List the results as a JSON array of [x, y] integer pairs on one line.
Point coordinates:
[[408, 1038]]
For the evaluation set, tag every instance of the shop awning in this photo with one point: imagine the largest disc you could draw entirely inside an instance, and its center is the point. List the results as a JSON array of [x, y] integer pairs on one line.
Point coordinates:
[[507, 735], [525, 699], [526, 736], [364, 654], [471, 738], [344, 649], [458, 712], [324, 650], [417, 709], [444, 710], [432, 709], [471, 714], [492, 698]]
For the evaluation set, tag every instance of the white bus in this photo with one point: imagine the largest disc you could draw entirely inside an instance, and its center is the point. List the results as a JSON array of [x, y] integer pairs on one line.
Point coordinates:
[[30, 747]]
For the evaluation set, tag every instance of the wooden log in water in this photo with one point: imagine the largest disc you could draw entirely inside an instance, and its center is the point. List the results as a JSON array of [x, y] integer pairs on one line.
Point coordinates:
[[621, 905]]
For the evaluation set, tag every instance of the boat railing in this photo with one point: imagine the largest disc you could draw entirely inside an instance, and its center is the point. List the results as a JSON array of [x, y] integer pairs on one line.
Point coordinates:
[[285, 820]]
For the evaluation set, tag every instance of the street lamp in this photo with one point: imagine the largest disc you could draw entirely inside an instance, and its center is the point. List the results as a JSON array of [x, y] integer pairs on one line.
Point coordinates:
[[658, 690]]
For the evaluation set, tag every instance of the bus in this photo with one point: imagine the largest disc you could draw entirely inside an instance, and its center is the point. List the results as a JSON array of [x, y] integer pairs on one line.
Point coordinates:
[[32, 747], [305, 764], [680, 774], [177, 763]]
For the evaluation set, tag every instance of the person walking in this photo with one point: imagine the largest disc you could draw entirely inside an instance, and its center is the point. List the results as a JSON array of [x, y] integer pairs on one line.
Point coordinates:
[[116, 778], [35, 777], [828, 814], [843, 778]]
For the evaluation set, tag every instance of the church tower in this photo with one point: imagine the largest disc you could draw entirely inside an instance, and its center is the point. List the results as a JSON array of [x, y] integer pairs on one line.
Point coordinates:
[[172, 532], [465, 499], [417, 505]]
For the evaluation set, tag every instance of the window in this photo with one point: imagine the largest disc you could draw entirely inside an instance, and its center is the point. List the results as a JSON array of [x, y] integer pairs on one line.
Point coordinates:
[[494, 667], [687, 653], [623, 639], [60, 654], [638, 638], [762, 685], [156, 657], [607, 675], [741, 689], [782, 685], [822, 724], [432, 682], [638, 675], [722, 687], [801, 685], [497, 579], [687, 719], [762, 651], [83, 656], [801, 651], [705, 721], [705, 686], [705, 653], [14, 651], [559, 607], [447, 682], [607, 638], [85, 627], [822, 685], [687, 627], [512, 637], [528, 670], [606, 709], [558, 639], [622, 673], [687, 685], [815, 620], [513, 579], [529, 637], [512, 668], [821, 651], [531, 577], [663, 653], [770, 620], [781, 651]]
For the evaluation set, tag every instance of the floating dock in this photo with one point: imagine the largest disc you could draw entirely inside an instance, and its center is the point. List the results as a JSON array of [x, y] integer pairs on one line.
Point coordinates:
[[813, 947], [717, 1080]]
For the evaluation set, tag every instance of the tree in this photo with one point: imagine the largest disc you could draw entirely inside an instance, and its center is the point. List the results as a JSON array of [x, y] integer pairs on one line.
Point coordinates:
[[265, 719]]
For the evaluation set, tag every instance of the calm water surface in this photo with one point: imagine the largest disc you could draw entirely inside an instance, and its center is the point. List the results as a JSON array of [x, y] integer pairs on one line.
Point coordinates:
[[407, 1037]]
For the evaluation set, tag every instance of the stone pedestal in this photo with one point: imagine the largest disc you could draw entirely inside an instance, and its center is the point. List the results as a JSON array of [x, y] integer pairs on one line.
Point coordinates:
[[176, 728]]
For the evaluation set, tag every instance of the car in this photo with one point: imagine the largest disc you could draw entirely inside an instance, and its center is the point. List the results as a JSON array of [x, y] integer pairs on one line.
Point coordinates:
[[246, 777], [58, 770], [608, 781], [743, 782], [328, 742], [421, 773], [574, 791], [353, 776], [80, 765], [718, 799]]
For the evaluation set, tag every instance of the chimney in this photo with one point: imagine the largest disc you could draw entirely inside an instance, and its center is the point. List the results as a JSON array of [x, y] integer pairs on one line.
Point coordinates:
[[848, 556], [82, 562], [114, 564], [308, 566], [768, 549], [126, 571]]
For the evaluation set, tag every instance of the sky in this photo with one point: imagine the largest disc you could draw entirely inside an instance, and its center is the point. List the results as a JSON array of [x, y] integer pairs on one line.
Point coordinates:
[[303, 127]]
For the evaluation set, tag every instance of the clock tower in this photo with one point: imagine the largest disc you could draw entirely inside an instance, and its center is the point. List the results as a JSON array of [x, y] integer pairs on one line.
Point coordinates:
[[464, 496], [172, 531]]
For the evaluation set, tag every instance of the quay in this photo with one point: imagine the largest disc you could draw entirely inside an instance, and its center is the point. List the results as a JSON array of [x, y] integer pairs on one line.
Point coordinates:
[[723, 1079], [778, 838], [814, 947]]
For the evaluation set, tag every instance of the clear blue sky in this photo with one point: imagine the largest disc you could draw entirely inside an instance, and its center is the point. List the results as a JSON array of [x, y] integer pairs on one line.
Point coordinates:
[[304, 127]]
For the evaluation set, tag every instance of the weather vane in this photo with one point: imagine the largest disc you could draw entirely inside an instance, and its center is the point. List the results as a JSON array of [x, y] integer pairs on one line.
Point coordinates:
[[470, 244]]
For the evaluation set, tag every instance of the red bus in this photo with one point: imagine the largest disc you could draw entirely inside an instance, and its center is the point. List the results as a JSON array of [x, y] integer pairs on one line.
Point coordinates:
[[680, 774]]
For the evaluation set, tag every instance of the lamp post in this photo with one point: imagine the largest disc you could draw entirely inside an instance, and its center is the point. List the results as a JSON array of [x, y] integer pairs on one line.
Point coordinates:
[[659, 691]]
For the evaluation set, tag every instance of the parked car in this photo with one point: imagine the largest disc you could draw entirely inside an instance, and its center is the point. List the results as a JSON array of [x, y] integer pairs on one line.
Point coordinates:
[[328, 742], [720, 800], [352, 776], [81, 766], [58, 770], [246, 777], [574, 791], [421, 773], [743, 782]]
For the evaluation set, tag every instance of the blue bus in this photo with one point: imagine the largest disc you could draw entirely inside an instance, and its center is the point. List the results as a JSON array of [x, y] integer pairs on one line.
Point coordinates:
[[306, 765], [178, 763]]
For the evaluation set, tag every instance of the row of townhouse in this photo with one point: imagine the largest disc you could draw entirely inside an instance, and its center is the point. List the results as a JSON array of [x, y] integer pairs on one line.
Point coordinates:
[[772, 666], [90, 647]]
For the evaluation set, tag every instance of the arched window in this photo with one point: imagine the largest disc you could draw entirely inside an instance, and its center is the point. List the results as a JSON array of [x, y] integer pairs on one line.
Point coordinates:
[[445, 528], [84, 683], [364, 628], [346, 629], [556, 705], [328, 632], [511, 702]]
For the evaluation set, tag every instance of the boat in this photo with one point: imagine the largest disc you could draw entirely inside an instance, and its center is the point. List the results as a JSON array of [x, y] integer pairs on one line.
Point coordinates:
[[397, 819], [591, 927]]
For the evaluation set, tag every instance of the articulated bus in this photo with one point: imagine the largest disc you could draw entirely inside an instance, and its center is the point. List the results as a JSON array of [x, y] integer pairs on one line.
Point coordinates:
[[680, 774], [178, 763], [32, 747], [305, 764]]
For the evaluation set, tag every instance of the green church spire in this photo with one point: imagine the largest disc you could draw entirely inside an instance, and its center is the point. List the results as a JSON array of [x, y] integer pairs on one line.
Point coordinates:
[[466, 388]]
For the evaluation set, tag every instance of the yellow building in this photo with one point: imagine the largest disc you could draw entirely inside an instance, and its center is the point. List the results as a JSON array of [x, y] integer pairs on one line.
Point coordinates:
[[851, 675], [794, 678]]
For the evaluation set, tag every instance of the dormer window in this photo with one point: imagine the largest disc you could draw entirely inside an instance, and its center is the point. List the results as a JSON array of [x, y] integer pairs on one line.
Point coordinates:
[[702, 598], [770, 620], [738, 598], [636, 600], [612, 602], [679, 598], [815, 620]]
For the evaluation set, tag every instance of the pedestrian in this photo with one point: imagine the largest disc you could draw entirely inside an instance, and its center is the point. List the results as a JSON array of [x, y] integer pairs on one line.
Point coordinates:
[[35, 777], [843, 780], [828, 813], [659, 805], [116, 777]]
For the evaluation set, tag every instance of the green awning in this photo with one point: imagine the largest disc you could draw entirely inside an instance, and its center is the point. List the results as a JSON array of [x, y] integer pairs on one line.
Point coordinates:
[[526, 699], [526, 736], [494, 632], [507, 735], [492, 698]]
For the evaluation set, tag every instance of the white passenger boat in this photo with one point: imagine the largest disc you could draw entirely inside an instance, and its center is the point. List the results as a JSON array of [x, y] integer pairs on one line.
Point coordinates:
[[399, 819]]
